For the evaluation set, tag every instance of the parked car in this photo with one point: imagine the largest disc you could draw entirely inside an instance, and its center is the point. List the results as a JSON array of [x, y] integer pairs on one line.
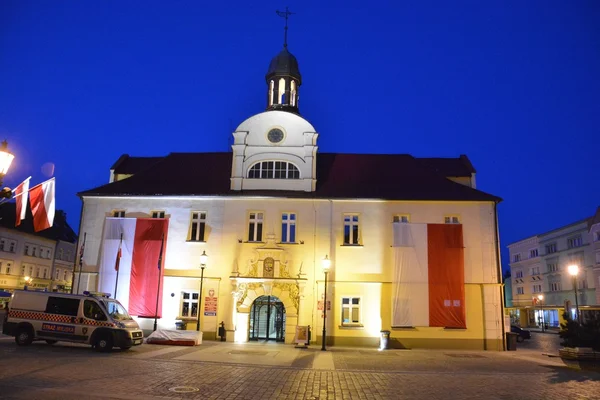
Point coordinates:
[[523, 333]]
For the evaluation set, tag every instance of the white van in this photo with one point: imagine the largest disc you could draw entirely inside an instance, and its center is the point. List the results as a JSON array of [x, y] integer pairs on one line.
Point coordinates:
[[94, 319]]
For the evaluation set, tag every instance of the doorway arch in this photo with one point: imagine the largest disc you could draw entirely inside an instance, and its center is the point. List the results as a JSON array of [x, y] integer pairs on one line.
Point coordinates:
[[267, 319]]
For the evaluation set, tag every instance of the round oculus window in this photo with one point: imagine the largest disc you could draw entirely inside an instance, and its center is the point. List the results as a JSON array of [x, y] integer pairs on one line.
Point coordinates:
[[275, 135]]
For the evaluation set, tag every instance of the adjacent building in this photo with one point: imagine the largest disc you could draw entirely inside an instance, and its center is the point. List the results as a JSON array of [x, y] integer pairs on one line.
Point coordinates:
[[412, 242], [45, 257], [542, 287]]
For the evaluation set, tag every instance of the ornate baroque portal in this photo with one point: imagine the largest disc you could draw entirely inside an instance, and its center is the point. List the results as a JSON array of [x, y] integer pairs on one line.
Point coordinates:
[[267, 274]]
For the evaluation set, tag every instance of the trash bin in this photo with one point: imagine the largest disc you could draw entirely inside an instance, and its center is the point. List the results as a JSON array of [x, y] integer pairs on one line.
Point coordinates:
[[180, 325], [511, 341], [384, 340]]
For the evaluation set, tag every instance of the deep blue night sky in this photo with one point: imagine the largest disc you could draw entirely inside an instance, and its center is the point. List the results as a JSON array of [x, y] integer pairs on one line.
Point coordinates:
[[514, 85]]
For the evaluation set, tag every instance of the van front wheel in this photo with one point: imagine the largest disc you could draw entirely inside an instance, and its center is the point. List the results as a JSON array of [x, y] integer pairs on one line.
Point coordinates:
[[24, 337], [104, 343]]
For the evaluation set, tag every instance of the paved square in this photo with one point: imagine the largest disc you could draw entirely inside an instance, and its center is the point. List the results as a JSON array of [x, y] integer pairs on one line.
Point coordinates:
[[274, 371]]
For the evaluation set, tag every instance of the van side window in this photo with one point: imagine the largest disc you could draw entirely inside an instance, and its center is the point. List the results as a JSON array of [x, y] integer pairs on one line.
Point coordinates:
[[92, 310], [62, 306]]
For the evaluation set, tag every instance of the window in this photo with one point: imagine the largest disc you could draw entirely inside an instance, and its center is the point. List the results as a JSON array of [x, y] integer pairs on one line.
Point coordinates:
[[535, 271], [119, 214], [351, 229], [598, 257], [574, 242], [56, 276], [552, 267], [516, 258], [197, 226], [401, 218], [45, 273], [596, 237], [519, 274], [555, 287], [520, 290], [158, 214], [551, 248], [533, 253], [537, 288], [65, 275], [92, 310], [274, 170], [451, 219], [582, 283], [255, 227], [26, 251], [189, 304], [2, 244], [31, 271], [350, 311], [60, 254], [34, 251], [12, 246], [8, 269], [62, 306], [288, 228]]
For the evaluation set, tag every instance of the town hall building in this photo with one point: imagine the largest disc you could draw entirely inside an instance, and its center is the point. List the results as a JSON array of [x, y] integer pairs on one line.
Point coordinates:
[[411, 244]]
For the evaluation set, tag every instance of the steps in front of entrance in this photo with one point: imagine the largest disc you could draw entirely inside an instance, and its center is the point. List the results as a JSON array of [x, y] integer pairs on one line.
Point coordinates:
[[266, 354]]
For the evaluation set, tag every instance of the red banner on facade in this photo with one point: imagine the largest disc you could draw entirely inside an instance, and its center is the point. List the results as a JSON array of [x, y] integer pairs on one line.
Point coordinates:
[[446, 269], [145, 274]]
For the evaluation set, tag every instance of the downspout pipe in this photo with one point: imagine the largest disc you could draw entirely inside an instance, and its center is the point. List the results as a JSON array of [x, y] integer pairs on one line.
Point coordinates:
[[499, 272]]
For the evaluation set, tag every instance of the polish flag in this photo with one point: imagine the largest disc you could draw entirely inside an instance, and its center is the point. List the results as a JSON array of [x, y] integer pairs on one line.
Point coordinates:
[[139, 244], [21, 193], [429, 276], [43, 205]]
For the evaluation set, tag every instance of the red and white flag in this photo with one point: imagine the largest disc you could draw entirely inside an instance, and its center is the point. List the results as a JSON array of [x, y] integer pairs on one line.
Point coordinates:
[[43, 205], [21, 193]]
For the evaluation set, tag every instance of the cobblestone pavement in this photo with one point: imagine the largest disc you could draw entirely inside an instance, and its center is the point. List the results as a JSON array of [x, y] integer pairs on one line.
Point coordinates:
[[543, 342], [41, 371]]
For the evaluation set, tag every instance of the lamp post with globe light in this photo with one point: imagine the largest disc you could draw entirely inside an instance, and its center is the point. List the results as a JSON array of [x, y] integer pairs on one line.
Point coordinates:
[[541, 299], [203, 260], [326, 263], [28, 281], [573, 271], [6, 158]]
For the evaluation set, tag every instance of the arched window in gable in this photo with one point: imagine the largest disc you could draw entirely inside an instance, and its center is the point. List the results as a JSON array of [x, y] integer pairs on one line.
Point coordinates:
[[273, 170]]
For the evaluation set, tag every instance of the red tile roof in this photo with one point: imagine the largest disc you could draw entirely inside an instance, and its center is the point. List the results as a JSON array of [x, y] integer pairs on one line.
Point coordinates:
[[339, 176]]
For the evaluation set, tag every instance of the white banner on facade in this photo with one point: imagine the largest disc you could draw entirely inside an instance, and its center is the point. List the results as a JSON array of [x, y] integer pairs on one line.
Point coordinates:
[[113, 228], [410, 299]]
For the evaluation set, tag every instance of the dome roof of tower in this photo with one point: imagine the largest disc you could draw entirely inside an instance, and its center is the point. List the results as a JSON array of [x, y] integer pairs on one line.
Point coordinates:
[[284, 63]]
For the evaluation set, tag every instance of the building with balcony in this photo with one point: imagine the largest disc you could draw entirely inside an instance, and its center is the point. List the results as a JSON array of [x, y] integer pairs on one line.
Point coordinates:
[[46, 257], [542, 288]]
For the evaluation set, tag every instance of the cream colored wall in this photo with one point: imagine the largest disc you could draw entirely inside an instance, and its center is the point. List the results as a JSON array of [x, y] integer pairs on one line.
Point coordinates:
[[366, 269]]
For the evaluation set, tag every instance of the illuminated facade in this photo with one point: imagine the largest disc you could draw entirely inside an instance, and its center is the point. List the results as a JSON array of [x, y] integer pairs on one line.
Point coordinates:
[[538, 266], [268, 212]]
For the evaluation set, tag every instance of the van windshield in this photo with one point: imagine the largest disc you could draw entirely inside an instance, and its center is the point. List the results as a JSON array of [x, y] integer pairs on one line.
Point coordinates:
[[116, 310]]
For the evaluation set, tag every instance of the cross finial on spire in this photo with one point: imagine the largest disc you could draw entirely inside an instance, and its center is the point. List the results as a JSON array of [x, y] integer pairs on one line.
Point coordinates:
[[285, 14]]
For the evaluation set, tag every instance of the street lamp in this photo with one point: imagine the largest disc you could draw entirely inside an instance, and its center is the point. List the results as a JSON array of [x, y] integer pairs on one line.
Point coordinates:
[[203, 260], [326, 263], [6, 158], [541, 299], [574, 270], [28, 281]]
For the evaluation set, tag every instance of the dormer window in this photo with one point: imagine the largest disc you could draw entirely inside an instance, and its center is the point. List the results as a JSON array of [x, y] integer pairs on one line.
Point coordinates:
[[274, 170]]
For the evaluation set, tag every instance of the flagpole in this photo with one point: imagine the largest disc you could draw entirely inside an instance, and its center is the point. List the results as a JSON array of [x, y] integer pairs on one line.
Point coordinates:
[[117, 265], [81, 261], [159, 271]]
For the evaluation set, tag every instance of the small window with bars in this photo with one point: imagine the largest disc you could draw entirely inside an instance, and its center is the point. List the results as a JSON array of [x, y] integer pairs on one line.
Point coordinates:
[[189, 304], [451, 219], [402, 218], [351, 311]]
